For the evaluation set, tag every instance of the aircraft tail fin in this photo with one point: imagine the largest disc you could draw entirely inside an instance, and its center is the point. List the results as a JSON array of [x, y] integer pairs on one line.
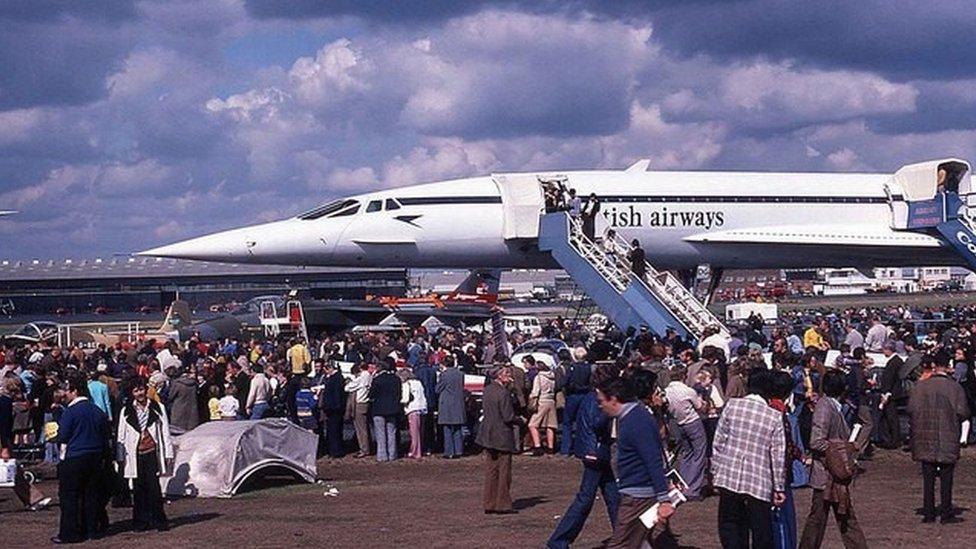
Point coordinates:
[[480, 286], [177, 316]]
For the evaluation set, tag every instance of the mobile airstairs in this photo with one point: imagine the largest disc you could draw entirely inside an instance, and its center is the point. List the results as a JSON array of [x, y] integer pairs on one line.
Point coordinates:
[[936, 198], [290, 321], [659, 300]]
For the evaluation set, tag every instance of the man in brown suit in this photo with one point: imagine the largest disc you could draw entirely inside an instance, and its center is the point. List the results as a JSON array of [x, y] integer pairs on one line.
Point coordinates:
[[937, 409], [495, 436], [829, 425]]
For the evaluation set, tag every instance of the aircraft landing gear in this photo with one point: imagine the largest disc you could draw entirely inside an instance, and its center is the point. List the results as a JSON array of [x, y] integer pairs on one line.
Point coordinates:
[[702, 281]]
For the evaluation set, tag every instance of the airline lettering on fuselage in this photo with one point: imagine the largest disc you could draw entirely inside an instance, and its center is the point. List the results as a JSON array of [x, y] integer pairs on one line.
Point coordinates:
[[630, 217], [966, 241]]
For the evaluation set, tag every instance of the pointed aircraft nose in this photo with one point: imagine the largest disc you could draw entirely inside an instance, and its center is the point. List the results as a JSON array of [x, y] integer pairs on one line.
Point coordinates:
[[227, 246], [287, 242]]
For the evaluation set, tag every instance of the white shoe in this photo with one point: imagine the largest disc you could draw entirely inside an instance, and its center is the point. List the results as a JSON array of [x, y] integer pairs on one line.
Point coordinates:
[[40, 505]]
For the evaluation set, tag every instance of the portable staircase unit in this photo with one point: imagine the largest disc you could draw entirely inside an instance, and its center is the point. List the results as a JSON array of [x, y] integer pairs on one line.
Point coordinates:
[[292, 323], [937, 198], [659, 300]]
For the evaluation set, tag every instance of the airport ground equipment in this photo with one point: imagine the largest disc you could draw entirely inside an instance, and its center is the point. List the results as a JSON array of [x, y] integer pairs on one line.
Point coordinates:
[[936, 198], [293, 321], [658, 300]]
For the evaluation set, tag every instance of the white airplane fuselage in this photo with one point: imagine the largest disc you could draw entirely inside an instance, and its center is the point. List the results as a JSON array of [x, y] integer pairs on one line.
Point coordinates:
[[682, 219]]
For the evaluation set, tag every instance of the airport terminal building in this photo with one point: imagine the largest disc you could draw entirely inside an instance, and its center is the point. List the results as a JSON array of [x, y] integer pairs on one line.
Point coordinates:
[[132, 284]]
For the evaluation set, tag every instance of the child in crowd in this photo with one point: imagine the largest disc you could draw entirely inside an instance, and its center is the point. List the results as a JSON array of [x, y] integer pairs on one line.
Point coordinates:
[[214, 403], [228, 405]]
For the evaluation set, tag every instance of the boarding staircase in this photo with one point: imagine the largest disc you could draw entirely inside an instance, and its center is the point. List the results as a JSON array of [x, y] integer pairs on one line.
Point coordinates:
[[937, 198], [658, 301], [960, 234], [292, 323]]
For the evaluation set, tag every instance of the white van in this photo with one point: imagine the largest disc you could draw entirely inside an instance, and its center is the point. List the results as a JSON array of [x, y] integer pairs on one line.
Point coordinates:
[[528, 325], [735, 312]]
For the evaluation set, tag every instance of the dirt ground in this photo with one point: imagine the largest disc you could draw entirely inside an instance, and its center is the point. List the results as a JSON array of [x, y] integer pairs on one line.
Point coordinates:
[[436, 503]]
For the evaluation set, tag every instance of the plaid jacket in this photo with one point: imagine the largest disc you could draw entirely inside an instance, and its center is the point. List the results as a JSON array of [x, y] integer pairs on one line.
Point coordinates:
[[749, 449]]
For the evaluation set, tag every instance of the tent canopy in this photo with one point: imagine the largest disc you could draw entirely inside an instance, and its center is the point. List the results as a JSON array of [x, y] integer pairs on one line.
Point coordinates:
[[216, 458]]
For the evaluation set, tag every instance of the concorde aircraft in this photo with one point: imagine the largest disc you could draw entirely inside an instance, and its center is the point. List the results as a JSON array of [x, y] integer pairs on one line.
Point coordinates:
[[682, 219]]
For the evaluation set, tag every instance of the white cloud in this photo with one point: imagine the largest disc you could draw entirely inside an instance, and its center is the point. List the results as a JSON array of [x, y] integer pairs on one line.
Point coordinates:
[[843, 159], [667, 145], [766, 95], [253, 105], [147, 177], [18, 125], [144, 70], [336, 69], [439, 159]]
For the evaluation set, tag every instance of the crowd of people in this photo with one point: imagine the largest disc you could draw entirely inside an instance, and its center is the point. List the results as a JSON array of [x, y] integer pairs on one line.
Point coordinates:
[[745, 418]]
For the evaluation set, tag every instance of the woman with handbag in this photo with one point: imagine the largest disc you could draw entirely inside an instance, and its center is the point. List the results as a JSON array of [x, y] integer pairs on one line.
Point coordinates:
[[831, 484], [145, 453]]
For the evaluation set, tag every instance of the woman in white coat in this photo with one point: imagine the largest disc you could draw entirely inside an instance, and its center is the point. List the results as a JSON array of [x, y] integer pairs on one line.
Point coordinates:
[[415, 405], [145, 452]]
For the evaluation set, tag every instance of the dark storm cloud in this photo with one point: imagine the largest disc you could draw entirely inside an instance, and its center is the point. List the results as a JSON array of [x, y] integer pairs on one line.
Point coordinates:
[[381, 10], [60, 53], [903, 39], [51, 10]]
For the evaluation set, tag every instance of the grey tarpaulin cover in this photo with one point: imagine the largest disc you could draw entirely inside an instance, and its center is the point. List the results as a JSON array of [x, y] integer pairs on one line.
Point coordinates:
[[214, 459]]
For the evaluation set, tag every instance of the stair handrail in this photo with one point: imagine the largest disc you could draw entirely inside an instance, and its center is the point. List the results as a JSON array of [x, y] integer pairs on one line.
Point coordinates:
[[624, 274], [613, 273], [696, 317]]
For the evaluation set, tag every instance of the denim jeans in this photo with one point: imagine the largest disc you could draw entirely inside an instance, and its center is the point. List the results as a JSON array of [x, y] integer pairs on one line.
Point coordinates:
[[784, 523], [257, 412], [573, 402], [385, 431], [594, 477], [453, 441], [692, 444], [52, 454]]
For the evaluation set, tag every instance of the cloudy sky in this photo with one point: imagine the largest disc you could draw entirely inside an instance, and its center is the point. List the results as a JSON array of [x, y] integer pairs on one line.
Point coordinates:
[[130, 124]]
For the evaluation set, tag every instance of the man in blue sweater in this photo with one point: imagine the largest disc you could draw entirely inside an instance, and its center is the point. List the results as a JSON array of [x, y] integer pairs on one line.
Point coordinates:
[[84, 432], [592, 446], [640, 464]]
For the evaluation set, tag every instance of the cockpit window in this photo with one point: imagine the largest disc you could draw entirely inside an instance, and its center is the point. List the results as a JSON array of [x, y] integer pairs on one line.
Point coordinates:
[[392, 204], [338, 208], [323, 211], [351, 210], [374, 206]]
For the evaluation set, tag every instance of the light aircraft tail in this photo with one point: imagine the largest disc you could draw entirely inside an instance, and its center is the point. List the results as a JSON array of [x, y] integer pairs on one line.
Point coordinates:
[[481, 286], [178, 316]]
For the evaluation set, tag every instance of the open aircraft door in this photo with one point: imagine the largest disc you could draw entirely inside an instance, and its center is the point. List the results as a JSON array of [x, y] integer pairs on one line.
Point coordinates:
[[522, 204], [926, 194]]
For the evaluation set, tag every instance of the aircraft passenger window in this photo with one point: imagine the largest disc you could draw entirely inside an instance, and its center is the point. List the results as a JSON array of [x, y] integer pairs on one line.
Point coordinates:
[[374, 206], [392, 204], [329, 208], [348, 211]]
